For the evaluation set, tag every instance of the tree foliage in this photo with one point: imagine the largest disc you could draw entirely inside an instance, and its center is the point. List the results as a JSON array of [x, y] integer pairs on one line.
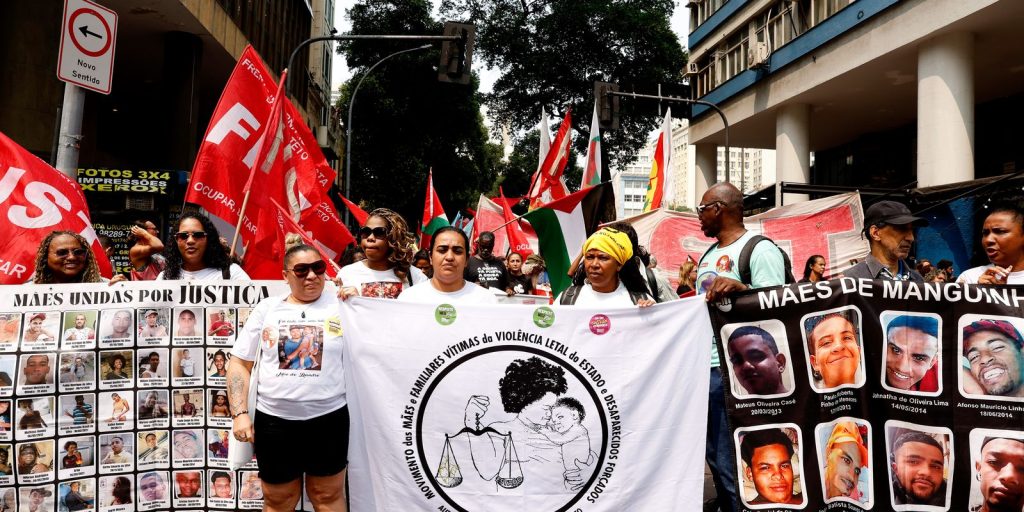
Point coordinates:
[[406, 122], [550, 53]]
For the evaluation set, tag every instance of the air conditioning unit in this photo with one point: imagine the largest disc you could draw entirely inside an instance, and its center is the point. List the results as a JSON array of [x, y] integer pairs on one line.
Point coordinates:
[[757, 55], [323, 137], [692, 68]]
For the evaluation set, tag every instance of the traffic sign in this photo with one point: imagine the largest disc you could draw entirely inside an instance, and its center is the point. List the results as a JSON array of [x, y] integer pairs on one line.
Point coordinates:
[[88, 35]]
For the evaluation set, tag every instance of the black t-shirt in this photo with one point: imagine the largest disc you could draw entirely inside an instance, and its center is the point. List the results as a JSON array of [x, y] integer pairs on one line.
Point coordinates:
[[489, 274], [521, 284]]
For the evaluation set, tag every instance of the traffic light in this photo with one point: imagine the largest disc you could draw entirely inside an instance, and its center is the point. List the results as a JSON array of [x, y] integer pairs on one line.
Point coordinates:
[[457, 56], [607, 105]]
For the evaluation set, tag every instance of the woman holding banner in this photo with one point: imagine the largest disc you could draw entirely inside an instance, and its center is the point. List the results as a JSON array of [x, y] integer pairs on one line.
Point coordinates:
[[1002, 238], [65, 257], [449, 255], [294, 404], [388, 248], [609, 274], [197, 253]]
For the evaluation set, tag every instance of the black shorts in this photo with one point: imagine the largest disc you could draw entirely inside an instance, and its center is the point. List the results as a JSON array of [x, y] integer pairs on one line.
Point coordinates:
[[285, 449]]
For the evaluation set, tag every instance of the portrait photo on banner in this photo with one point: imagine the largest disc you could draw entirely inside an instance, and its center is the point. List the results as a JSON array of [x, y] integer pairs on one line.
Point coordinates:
[[844, 461], [770, 466], [188, 326], [116, 328], [758, 359], [921, 464], [834, 348], [77, 371], [40, 331], [10, 330], [79, 330], [913, 362], [117, 369], [991, 352], [997, 470]]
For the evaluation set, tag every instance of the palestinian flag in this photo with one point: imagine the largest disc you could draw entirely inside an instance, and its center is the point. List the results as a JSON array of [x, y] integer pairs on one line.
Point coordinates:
[[563, 225], [433, 213]]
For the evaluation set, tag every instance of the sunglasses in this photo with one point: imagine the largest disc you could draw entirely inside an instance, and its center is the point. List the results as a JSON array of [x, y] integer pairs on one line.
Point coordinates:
[[377, 232], [302, 269], [63, 253], [704, 207], [184, 235]]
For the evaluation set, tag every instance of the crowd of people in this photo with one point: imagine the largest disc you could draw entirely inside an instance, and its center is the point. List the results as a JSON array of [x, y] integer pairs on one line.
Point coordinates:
[[289, 347]]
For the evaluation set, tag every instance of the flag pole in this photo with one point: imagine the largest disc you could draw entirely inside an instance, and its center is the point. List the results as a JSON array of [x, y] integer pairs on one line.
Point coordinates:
[[305, 238]]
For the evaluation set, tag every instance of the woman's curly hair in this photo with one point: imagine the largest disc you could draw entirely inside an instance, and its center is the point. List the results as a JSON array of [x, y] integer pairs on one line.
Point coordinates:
[[401, 244], [214, 256], [43, 275]]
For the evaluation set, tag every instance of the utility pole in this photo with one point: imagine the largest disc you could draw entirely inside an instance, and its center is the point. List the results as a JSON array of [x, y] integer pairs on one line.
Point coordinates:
[[70, 130]]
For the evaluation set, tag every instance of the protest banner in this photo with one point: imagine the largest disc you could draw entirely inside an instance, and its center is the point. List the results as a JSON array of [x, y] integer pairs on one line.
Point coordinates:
[[469, 407], [875, 395], [830, 226], [114, 395]]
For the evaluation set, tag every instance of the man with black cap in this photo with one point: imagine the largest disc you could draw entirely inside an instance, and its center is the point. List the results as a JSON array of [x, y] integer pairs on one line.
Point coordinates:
[[889, 227]]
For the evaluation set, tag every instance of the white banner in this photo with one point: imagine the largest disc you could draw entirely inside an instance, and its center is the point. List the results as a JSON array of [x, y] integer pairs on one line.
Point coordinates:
[[522, 408]]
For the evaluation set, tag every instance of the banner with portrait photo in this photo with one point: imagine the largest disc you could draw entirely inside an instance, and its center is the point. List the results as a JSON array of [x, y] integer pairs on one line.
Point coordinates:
[[875, 395], [525, 407], [112, 398]]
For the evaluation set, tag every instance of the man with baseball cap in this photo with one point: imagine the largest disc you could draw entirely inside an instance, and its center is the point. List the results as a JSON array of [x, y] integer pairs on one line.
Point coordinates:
[[995, 351], [889, 227], [845, 455]]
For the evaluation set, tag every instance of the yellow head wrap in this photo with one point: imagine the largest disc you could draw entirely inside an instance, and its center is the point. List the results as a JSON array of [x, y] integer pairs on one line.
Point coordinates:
[[612, 242]]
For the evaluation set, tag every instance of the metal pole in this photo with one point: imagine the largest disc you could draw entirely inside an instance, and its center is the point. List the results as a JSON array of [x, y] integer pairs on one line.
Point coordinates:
[[725, 122], [348, 124], [70, 130]]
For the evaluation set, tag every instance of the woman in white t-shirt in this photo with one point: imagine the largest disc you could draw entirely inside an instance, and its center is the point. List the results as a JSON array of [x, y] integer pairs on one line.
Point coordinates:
[[197, 253], [301, 399], [449, 255], [1002, 238], [609, 274], [388, 248]]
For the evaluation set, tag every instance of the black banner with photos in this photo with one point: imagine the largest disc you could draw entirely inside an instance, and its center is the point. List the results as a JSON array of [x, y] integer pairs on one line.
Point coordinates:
[[875, 395], [112, 398]]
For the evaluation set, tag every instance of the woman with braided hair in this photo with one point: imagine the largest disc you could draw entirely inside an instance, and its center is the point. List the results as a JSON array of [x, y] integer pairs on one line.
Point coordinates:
[[65, 257], [389, 248]]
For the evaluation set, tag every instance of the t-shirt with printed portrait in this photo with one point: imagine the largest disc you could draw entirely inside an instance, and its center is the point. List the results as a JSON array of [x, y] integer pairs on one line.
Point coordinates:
[[383, 284]]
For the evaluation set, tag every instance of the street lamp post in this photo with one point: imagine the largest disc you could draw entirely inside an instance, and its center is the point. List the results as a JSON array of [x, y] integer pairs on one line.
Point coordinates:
[[348, 124]]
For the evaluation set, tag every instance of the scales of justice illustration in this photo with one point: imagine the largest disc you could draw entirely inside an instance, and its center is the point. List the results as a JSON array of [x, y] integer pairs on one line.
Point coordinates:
[[510, 473]]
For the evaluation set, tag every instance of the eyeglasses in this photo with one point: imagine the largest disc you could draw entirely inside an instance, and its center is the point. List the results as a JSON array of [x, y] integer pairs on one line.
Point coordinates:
[[184, 235], [63, 253], [302, 269], [703, 207], [377, 232]]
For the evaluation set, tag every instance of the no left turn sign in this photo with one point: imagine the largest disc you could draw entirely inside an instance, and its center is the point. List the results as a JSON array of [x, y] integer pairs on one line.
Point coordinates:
[[87, 45]]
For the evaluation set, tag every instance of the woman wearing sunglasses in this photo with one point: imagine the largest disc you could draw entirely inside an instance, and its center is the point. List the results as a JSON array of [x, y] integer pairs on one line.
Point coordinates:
[[197, 254], [64, 257], [449, 255], [301, 388], [386, 271]]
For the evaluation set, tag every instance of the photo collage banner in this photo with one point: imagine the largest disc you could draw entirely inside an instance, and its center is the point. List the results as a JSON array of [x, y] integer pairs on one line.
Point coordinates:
[[875, 395], [112, 398]]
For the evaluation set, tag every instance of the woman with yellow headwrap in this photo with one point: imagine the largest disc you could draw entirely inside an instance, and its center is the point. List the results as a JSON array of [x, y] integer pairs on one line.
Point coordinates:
[[609, 274]]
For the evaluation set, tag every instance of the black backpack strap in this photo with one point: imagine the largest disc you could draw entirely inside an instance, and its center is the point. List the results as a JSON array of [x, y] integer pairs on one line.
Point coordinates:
[[570, 295], [705, 255], [748, 250], [652, 284], [636, 296]]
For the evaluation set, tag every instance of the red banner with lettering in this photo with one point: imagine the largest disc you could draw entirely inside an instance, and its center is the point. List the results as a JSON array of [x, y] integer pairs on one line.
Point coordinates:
[[36, 199], [830, 227], [232, 142]]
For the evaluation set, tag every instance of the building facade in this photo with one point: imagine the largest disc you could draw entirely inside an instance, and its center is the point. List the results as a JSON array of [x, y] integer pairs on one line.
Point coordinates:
[[884, 93], [172, 60]]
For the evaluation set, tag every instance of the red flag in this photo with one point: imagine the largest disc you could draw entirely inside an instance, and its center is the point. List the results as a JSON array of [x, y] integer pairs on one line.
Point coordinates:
[[356, 211], [516, 238], [433, 213], [232, 143], [551, 187], [292, 227], [36, 199]]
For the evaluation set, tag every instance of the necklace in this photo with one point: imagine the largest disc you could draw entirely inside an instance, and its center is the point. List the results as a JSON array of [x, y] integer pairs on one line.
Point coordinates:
[[292, 299]]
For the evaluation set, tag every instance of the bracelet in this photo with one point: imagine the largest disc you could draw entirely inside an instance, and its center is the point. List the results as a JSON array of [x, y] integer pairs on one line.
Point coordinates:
[[243, 411]]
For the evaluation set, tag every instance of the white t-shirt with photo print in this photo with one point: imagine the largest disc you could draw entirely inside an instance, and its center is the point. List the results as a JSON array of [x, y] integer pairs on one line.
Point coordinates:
[[301, 374], [382, 284]]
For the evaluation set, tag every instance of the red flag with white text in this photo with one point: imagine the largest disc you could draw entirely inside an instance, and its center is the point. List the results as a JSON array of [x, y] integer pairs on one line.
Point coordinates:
[[232, 143], [36, 199]]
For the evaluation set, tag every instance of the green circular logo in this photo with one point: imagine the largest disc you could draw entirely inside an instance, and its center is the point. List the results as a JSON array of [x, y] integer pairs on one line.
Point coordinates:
[[445, 314], [543, 316]]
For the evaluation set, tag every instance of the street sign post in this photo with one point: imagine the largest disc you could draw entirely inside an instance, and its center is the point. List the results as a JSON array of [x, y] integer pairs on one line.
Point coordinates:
[[88, 34]]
